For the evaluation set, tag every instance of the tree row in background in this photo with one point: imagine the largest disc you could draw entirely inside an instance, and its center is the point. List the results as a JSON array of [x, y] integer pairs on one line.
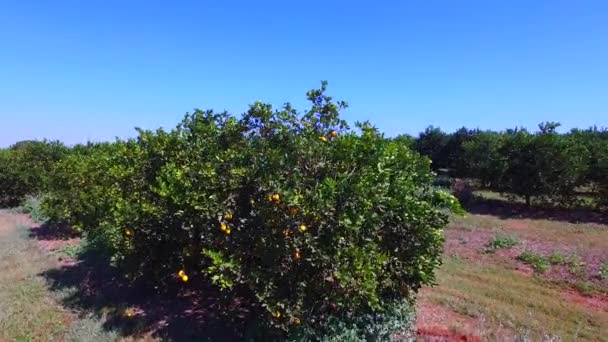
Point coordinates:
[[545, 166]]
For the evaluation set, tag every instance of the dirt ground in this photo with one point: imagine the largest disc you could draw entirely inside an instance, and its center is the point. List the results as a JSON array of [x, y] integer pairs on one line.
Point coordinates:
[[479, 292]]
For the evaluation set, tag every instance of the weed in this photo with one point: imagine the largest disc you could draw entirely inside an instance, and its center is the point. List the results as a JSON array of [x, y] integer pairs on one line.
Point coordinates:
[[576, 266], [501, 241], [586, 288], [539, 263], [31, 205], [556, 258], [603, 273], [73, 251]]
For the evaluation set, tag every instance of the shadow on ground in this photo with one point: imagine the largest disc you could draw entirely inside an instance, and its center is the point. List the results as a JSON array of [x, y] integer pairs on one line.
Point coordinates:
[[505, 210], [53, 231], [91, 287]]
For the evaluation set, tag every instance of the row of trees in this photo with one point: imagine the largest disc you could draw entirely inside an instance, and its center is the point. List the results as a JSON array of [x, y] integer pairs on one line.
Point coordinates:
[[545, 166], [321, 230]]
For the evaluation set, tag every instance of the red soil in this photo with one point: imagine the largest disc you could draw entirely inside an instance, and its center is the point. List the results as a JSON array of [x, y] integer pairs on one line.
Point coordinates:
[[596, 302], [440, 334], [436, 323]]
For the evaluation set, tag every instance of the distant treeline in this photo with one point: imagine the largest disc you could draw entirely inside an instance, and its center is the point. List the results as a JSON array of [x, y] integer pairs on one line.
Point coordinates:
[[543, 166]]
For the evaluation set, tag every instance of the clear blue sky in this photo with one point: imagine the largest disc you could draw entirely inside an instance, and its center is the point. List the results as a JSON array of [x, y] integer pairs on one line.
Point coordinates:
[[78, 70]]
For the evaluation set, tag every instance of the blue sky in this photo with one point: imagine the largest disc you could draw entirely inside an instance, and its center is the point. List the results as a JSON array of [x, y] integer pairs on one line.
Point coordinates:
[[93, 70]]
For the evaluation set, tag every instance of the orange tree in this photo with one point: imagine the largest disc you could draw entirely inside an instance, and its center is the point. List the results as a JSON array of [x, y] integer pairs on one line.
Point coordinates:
[[313, 222], [24, 167]]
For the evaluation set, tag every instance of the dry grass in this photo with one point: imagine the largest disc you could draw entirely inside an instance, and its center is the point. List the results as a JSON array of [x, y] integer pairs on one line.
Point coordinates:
[[506, 302], [26, 312], [581, 235], [526, 305]]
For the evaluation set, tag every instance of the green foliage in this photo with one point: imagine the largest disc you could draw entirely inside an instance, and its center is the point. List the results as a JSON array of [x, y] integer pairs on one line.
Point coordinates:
[[501, 241], [305, 217], [576, 265], [74, 251], [545, 167], [397, 317], [32, 205], [482, 159], [596, 175], [24, 169], [539, 263], [557, 258], [603, 272], [223, 271], [432, 143]]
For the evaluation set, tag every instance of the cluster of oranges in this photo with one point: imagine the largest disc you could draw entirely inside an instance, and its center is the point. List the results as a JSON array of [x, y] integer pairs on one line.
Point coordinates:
[[183, 276], [276, 198], [332, 135], [224, 227]]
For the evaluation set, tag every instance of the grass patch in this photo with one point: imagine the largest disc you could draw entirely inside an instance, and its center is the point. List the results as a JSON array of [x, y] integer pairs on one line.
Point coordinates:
[[74, 251], [576, 265], [580, 235], [26, 312], [603, 273], [32, 205], [504, 298], [501, 241], [556, 258], [539, 263]]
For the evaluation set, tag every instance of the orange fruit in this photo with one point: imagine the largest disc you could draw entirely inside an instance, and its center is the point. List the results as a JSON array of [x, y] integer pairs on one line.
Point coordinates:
[[223, 227], [228, 216], [297, 255], [293, 211], [323, 139], [334, 134], [128, 232], [303, 228], [185, 278], [276, 197], [228, 231], [129, 312], [181, 273]]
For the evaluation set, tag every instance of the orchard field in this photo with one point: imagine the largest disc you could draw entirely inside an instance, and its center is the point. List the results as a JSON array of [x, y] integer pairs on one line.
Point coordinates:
[[286, 225]]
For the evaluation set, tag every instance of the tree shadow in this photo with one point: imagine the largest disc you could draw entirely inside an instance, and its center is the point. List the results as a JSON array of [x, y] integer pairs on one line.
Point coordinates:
[[53, 231], [506, 209], [90, 286]]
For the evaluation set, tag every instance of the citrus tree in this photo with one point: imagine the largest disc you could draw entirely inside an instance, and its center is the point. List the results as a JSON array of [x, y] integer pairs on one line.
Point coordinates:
[[310, 221], [24, 168]]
